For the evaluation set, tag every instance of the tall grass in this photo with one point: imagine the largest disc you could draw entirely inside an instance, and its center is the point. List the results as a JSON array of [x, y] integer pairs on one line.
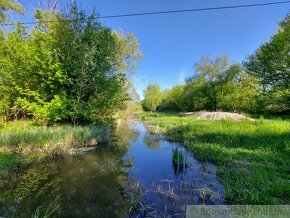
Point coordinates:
[[253, 157], [20, 138], [24, 136]]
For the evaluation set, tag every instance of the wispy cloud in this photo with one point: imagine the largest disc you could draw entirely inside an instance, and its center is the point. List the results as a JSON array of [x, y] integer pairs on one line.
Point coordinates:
[[182, 76], [140, 83]]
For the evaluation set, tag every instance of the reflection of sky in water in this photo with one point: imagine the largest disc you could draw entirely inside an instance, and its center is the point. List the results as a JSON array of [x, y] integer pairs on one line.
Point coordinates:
[[153, 165], [96, 184]]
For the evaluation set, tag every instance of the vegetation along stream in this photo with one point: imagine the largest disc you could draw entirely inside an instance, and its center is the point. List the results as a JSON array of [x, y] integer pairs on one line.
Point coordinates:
[[139, 173]]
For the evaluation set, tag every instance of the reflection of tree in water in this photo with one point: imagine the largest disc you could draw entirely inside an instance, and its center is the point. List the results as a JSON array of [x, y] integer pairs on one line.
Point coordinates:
[[24, 192], [153, 141], [97, 185], [124, 134], [88, 186]]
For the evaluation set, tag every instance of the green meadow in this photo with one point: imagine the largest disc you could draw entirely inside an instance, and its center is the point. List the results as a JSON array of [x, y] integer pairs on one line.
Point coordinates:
[[252, 156]]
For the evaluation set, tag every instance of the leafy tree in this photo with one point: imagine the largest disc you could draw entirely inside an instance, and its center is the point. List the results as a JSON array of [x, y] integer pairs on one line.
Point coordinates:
[[213, 73], [152, 97], [96, 61], [239, 90], [215, 85], [173, 99], [6, 5], [210, 75], [195, 97], [73, 70], [30, 74], [270, 64]]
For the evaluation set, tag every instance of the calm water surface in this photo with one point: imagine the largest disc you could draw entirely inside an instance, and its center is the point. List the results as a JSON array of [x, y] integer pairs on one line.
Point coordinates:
[[162, 175]]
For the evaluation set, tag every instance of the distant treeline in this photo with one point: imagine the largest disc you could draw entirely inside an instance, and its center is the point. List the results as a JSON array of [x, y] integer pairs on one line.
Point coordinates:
[[261, 84], [67, 68]]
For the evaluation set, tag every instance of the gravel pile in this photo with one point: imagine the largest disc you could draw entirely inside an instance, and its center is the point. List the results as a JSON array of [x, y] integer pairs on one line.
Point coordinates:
[[215, 115]]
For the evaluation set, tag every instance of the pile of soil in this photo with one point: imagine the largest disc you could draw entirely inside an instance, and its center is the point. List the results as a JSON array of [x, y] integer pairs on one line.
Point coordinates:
[[215, 115]]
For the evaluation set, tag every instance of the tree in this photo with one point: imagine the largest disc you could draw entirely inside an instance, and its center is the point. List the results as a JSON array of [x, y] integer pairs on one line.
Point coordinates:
[[173, 99], [195, 97], [152, 97], [30, 75], [73, 70], [212, 73], [270, 64], [239, 90], [96, 61], [6, 5]]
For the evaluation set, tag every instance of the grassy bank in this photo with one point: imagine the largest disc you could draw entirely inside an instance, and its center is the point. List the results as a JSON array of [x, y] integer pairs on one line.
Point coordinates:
[[253, 158], [23, 142]]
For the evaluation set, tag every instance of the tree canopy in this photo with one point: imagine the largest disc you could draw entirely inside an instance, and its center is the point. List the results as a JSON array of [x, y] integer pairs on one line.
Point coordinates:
[[152, 97], [270, 64], [72, 70]]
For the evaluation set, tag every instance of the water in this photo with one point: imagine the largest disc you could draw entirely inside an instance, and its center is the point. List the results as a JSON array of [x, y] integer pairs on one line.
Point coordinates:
[[106, 182]]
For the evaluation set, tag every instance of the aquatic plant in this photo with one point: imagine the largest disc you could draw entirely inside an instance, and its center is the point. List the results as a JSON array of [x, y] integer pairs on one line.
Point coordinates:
[[160, 190], [48, 212], [171, 194], [178, 157], [205, 191], [137, 191]]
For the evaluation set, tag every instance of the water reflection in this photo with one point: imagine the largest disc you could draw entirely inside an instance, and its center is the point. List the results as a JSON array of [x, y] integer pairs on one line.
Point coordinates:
[[99, 183], [152, 141], [88, 186], [170, 174], [125, 134]]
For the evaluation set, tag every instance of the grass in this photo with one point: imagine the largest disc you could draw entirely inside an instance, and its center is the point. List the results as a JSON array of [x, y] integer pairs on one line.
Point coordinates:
[[178, 157], [48, 212], [23, 141], [253, 157]]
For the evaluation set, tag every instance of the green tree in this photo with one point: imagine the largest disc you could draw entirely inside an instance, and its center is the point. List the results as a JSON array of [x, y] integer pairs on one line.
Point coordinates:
[[239, 90], [270, 64], [152, 97], [195, 97], [30, 75], [217, 84], [96, 61], [73, 70], [212, 73], [173, 99], [6, 5]]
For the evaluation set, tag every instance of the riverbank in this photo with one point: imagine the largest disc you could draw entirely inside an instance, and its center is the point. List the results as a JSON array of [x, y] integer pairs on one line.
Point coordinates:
[[252, 157], [23, 142]]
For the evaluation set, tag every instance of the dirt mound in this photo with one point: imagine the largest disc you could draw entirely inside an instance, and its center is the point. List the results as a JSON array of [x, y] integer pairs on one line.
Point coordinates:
[[216, 115]]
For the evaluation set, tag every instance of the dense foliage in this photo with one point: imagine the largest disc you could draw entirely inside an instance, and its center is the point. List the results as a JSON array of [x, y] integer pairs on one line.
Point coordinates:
[[153, 97], [270, 64], [72, 70], [260, 85]]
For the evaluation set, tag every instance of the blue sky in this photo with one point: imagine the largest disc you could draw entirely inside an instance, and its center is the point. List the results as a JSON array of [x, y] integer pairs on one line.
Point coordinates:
[[172, 43]]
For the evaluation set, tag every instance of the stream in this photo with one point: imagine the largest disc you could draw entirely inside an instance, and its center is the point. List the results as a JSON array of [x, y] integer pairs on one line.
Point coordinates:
[[138, 174]]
